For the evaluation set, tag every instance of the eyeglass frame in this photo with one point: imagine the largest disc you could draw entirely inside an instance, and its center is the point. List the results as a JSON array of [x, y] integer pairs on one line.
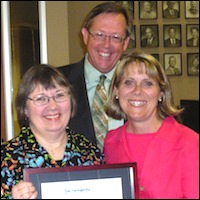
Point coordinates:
[[96, 36], [34, 99]]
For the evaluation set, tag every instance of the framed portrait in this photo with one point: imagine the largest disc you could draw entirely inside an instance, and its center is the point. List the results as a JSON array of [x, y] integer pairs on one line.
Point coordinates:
[[193, 64], [191, 9], [148, 10], [171, 9], [172, 35], [129, 5], [192, 35], [149, 36], [173, 64], [110, 181], [156, 56], [132, 41]]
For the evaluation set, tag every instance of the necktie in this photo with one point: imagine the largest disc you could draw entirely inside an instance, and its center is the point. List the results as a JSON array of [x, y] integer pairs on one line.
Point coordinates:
[[173, 42], [100, 119]]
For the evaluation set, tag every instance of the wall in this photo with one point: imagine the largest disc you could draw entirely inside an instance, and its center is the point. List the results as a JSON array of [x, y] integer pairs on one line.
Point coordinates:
[[57, 32], [64, 22], [183, 87], [65, 44], [76, 47]]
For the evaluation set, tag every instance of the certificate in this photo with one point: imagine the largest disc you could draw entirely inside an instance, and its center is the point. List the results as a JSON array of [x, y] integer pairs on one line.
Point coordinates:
[[106, 181]]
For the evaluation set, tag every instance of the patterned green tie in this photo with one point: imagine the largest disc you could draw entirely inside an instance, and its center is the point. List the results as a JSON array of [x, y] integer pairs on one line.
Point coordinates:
[[100, 119]]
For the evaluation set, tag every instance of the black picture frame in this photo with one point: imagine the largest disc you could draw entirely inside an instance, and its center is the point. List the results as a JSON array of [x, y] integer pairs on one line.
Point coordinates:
[[132, 41], [168, 30], [171, 9], [129, 5], [192, 35], [148, 10], [85, 182], [156, 56], [145, 32], [175, 60], [193, 64], [191, 9]]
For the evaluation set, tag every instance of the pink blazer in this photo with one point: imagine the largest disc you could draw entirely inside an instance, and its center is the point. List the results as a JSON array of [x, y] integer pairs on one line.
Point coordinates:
[[171, 164]]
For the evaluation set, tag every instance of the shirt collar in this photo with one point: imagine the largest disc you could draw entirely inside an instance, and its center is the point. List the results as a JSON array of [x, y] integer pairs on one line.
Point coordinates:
[[92, 74]]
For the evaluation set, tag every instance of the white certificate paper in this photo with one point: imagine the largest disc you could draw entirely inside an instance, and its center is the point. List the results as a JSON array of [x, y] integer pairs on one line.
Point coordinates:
[[104, 188]]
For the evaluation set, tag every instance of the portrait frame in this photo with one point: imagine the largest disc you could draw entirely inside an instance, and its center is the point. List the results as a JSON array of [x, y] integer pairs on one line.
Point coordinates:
[[154, 28], [178, 36], [189, 35], [132, 41], [84, 181], [190, 61], [129, 5], [191, 14], [178, 58], [165, 11], [154, 7], [156, 56]]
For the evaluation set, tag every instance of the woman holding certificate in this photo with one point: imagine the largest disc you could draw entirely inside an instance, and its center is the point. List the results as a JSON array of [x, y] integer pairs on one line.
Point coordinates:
[[44, 104]]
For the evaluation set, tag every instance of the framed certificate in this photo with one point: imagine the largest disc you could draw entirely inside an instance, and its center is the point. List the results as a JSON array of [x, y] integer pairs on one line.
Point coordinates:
[[106, 181]]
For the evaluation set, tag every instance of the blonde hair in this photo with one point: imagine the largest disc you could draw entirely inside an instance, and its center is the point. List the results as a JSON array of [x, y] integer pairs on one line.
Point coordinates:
[[155, 71]]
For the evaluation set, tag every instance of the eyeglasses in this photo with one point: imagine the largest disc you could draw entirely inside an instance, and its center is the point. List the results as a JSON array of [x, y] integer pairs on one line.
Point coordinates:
[[99, 36], [41, 100]]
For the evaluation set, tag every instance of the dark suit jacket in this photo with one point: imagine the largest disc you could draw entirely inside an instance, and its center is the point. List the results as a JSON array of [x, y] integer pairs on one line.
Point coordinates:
[[82, 121], [190, 43], [146, 44], [167, 14], [167, 43]]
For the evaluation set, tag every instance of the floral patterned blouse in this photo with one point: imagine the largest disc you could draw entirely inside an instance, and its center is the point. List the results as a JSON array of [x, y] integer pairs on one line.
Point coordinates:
[[25, 152]]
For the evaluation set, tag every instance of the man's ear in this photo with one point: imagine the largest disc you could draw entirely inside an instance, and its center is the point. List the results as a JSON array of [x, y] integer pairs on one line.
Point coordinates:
[[85, 35], [126, 41]]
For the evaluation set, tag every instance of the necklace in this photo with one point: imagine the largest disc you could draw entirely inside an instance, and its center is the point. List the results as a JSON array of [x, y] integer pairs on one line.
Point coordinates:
[[58, 151]]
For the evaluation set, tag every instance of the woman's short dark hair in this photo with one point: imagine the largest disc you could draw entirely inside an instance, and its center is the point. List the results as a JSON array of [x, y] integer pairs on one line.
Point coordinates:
[[47, 76]]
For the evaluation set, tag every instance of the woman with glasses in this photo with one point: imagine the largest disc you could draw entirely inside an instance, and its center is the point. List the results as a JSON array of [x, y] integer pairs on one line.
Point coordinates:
[[44, 104]]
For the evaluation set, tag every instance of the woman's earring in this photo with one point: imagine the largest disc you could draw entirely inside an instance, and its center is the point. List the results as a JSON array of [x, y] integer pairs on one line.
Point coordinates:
[[116, 97], [160, 100]]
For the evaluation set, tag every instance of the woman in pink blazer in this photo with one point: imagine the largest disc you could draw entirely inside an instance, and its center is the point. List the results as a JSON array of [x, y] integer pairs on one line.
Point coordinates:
[[166, 152]]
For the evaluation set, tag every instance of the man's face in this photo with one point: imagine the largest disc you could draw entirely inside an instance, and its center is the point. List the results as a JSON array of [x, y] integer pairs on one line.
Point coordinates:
[[172, 33], [172, 62], [194, 33], [149, 33], [147, 6], [194, 4], [171, 4], [103, 55]]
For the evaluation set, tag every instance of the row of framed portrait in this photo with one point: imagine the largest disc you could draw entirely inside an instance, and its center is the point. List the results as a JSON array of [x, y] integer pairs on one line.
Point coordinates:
[[170, 9], [173, 63], [172, 35]]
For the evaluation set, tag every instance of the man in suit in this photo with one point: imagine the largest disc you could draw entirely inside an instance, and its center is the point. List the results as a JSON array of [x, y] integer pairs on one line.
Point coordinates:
[[149, 40], [172, 41], [172, 69], [106, 33], [148, 11], [194, 66], [193, 11], [170, 12], [194, 40]]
